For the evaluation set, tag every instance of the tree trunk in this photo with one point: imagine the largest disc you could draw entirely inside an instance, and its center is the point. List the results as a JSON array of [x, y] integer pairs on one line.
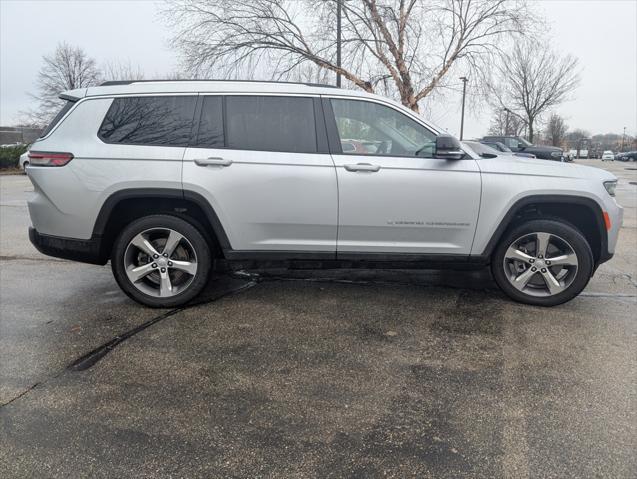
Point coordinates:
[[530, 130]]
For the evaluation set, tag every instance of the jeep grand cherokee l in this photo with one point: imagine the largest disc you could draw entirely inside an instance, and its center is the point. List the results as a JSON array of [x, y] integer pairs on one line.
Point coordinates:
[[164, 179]]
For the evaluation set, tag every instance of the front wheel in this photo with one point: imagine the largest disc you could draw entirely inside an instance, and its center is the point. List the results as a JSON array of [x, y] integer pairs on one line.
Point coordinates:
[[161, 261], [542, 262]]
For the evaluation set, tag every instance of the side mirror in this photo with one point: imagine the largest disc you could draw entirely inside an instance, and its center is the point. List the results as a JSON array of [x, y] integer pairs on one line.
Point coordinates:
[[448, 148]]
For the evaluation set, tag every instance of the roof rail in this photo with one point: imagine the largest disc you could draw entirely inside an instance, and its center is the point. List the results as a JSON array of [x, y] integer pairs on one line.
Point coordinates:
[[128, 82]]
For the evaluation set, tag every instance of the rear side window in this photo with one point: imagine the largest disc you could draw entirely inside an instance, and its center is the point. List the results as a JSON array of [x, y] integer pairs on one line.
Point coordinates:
[[270, 123], [210, 133], [149, 120], [67, 106]]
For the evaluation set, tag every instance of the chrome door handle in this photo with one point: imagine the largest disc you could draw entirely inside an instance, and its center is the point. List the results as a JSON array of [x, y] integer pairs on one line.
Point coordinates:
[[362, 167], [212, 162]]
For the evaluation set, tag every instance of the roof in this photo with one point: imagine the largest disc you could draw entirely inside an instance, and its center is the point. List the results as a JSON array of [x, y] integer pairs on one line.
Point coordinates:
[[213, 86]]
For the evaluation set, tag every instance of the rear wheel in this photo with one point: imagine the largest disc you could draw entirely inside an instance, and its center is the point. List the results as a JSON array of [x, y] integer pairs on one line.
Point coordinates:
[[161, 261], [543, 262]]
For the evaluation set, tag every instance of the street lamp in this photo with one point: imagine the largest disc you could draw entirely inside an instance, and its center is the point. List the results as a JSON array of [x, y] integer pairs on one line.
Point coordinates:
[[464, 92]]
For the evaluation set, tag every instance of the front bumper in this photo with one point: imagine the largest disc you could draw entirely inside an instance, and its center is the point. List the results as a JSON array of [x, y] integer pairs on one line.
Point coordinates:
[[85, 251]]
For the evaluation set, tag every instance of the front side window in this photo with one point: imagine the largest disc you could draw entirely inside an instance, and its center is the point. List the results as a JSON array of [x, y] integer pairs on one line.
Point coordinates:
[[367, 128], [270, 123], [511, 143], [149, 120]]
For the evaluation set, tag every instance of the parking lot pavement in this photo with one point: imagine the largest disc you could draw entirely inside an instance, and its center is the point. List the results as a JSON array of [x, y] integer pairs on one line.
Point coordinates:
[[314, 374]]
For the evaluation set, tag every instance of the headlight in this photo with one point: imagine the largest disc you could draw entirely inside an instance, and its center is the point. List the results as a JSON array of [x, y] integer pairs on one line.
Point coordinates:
[[610, 187]]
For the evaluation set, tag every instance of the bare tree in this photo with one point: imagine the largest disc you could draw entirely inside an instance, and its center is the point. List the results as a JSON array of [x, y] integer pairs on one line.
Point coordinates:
[[66, 68], [120, 70], [406, 47], [505, 123], [532, 79], [556, 130]]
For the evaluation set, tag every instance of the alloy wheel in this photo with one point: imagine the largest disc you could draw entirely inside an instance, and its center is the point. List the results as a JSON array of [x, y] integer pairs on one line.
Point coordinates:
[[540, 264], [160, 262]]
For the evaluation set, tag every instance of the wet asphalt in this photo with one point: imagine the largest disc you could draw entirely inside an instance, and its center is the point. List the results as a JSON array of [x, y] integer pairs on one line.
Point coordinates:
[[314, 374]]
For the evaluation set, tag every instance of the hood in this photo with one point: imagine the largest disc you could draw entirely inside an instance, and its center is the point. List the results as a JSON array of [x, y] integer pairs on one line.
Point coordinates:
[[517, 165]]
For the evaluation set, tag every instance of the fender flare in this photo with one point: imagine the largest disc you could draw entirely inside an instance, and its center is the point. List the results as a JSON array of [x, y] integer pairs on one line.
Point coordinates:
[[539, 199], [99, 229]]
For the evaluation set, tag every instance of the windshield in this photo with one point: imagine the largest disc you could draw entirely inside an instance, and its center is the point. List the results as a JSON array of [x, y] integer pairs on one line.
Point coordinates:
[[524, 142], [481, 148]]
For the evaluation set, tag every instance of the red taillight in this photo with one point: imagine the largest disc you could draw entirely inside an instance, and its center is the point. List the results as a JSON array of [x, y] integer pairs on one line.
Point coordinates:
[[42, 158]]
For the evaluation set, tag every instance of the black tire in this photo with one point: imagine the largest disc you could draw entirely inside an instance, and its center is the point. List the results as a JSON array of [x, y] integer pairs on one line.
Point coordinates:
[[562, 230], [195, 241]]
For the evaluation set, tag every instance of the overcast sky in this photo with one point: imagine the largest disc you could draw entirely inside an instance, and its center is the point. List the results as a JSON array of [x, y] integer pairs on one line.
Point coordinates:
[[601, 33]]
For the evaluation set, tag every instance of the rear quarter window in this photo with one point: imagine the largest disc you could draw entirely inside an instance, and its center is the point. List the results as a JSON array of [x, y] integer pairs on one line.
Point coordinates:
[[63, 111], [149, 120]]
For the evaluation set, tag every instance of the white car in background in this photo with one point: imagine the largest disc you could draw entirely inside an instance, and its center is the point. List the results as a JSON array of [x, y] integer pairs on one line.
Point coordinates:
[[24, 161], [608, 156]]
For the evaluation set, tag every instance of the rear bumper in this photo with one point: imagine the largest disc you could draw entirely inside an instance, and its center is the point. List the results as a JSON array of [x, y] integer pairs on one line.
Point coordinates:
[[85, 251]]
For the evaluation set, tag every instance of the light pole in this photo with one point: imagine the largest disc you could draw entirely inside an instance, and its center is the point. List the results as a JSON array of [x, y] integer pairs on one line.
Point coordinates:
[[338, 41], [464, 92], [623, 138]]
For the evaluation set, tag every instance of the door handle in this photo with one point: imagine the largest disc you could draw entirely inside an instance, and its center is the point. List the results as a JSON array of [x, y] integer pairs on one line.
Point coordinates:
[[362, 167], [212, 162]]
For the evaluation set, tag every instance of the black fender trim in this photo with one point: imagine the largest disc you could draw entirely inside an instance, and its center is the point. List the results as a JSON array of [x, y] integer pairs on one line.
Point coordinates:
[[178, 194], [604, 255]]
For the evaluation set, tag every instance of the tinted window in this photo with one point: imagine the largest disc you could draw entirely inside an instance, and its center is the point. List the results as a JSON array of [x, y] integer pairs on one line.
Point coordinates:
[[210, 133], [149, 120], [67, 106], [367, 128], [270, 124]]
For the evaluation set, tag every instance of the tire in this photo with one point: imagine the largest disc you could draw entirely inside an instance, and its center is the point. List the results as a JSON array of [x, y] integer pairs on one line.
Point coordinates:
[[560, 273], [161, 261], [24, 167]]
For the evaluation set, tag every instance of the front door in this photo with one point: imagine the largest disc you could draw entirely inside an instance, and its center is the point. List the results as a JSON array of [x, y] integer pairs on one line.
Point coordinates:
[[394, 197]]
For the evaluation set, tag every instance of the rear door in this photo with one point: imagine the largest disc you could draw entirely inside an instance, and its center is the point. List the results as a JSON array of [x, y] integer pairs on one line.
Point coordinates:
[[262, 162], [394, 197]]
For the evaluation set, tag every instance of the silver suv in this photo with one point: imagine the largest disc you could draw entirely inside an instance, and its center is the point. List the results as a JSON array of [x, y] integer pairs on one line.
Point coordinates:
[[164, 178]]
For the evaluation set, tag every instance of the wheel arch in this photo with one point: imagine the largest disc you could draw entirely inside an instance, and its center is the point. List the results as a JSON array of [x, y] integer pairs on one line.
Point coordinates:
[[583, 213], [126, 205]]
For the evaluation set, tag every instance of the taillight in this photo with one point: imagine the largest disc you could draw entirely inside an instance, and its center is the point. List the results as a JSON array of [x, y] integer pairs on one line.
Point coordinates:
[[42, 158]]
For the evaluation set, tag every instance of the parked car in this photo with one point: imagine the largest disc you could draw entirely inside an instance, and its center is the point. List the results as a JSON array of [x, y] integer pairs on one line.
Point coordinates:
[[608, 156], [483, 150], [518, 144], [626, 156], [496, 145], [173, 176], [23, 162]]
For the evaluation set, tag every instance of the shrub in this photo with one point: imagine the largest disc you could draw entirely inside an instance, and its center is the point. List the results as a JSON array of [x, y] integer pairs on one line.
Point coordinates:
[[10, 156]]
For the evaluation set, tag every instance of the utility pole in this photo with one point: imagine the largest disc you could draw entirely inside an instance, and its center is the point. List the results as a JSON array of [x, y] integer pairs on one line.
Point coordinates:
[[623, 138], [338, 41], [464, 92], [506, 128]]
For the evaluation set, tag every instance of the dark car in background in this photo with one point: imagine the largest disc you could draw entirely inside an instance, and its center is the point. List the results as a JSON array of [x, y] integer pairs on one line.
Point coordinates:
[[496, 145], [520, 145], [626, 156]]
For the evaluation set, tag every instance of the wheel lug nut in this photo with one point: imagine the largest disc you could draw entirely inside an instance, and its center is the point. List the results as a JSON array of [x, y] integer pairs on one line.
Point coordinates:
[[533, 268], [547, 262], [531, 260], [154, 265], [539, 256], [543, 270], [163, 270], [170, 263], [165, 255], [155, 255]]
